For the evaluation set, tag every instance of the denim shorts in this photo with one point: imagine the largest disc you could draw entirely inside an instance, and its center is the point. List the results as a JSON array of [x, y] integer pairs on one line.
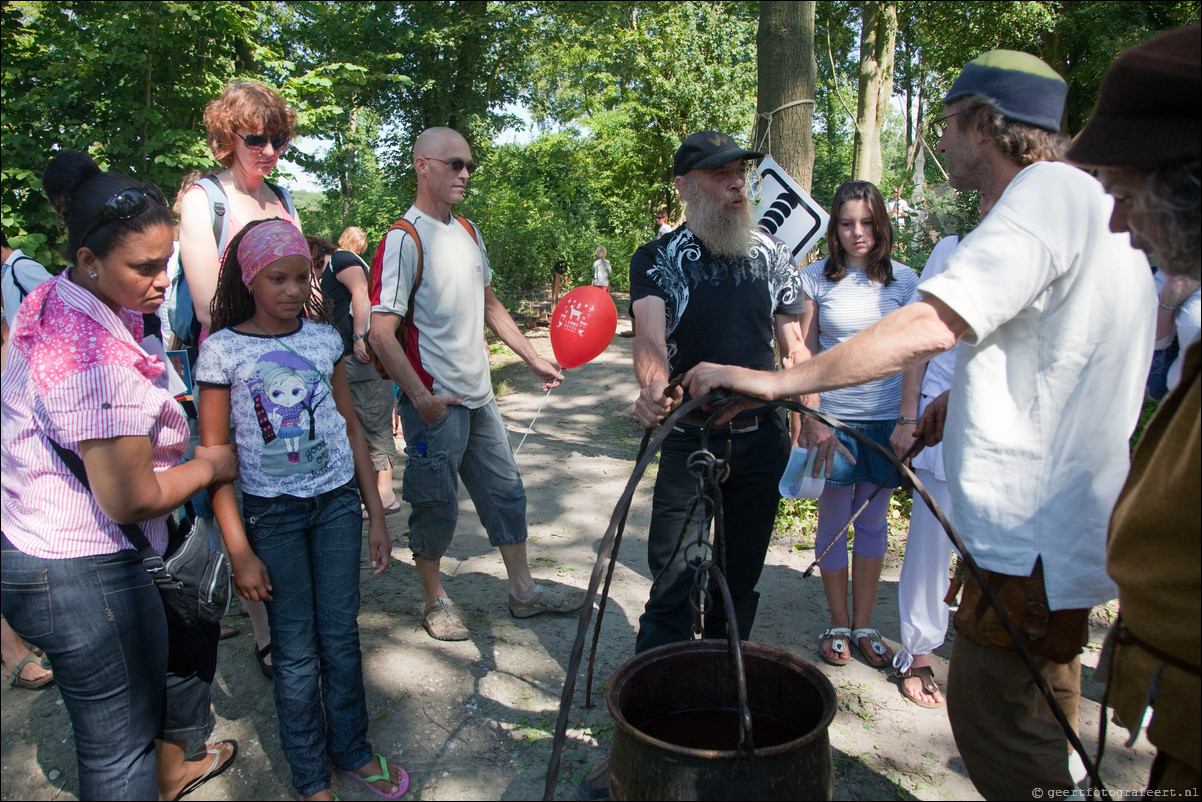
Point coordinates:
[[467, 444], [870, 466]]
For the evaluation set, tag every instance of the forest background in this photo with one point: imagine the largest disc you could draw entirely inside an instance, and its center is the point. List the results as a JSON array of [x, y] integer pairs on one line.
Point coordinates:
[[833, 90]]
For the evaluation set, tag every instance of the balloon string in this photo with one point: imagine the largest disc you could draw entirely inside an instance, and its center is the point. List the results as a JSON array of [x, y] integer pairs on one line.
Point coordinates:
[[531, 426]]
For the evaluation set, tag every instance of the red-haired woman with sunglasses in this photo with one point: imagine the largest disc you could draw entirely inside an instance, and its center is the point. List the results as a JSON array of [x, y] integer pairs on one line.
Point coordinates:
[[250, 127], [78, 380]]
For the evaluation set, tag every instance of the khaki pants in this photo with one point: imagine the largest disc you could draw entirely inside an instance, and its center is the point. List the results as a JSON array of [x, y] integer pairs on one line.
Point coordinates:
[[1007, 735]]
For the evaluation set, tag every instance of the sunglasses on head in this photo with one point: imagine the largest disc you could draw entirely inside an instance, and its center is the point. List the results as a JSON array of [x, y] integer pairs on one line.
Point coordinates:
[[259, 141], [125, 205], [456, 164]]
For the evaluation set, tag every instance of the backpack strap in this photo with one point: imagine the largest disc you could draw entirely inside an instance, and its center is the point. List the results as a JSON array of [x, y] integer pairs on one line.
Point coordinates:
[[16, 281], [133, 533], [284, 195], [406, 332], [217, 209]]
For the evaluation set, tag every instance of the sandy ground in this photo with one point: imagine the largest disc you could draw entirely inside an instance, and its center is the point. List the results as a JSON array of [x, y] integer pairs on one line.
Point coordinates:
[[474, 720]]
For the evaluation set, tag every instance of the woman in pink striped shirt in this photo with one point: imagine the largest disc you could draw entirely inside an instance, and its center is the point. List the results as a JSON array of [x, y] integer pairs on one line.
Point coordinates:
[[72, 584]]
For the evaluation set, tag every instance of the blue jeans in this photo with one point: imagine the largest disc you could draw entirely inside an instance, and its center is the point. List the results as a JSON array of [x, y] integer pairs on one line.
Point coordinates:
[[311, 548], [749, 501], [473, 445], [100, 621]]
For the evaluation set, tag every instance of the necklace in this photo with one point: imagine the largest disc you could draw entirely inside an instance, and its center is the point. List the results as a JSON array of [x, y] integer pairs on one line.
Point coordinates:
[[290, 350]]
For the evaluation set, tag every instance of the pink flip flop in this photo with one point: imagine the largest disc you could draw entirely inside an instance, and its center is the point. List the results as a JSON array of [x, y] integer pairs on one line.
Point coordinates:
[[402, 784]]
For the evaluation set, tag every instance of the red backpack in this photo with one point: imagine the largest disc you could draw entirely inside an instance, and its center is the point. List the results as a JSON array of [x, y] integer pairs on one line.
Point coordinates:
[[406, 333]]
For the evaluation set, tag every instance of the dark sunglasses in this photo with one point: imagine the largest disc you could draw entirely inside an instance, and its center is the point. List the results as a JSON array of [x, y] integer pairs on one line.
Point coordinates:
[[457, 165], [125, 205], [259, 141]]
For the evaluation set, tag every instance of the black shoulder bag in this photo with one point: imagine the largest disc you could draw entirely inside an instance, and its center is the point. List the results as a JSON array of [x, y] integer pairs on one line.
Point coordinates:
[[193, 580]]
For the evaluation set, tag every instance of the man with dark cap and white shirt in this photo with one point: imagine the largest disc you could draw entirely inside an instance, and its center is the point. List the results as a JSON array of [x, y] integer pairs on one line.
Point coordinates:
[[1145, 137], [1057, 316]]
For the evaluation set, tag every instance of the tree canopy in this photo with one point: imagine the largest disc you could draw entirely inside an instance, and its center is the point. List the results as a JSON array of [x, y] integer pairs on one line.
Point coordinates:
[[612, 88]]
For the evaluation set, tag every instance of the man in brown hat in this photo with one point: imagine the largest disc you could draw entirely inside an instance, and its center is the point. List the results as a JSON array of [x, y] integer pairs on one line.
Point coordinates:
[[1145, 137]]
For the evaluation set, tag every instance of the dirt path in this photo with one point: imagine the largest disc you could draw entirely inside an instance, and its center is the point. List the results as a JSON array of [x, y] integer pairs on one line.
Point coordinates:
[[474, 720]]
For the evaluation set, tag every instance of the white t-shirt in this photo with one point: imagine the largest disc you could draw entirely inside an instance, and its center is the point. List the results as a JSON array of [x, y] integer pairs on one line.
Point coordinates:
[[845, 308], [19, 268], [1061, 314], [449, 306], [291, 437]]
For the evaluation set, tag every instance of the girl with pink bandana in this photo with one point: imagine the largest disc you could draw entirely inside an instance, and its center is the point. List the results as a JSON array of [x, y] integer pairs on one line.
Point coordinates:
[[306, 465]]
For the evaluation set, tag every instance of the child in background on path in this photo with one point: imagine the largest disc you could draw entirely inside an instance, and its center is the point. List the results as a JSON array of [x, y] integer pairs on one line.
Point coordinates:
[[301, 451]]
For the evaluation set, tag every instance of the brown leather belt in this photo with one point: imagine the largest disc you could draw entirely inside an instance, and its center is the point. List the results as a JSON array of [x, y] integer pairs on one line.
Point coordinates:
[[736, 426]]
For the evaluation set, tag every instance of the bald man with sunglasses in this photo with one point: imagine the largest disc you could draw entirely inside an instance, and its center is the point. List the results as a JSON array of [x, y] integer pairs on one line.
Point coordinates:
[[452, 426]]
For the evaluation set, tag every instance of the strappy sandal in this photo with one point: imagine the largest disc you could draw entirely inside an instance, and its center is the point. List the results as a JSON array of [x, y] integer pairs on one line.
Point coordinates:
[[876, 647], [926, 676], [838, 636]]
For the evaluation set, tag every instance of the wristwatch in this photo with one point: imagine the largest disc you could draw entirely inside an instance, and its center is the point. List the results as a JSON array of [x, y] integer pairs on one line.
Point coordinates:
[[357, 337], [903, 420]]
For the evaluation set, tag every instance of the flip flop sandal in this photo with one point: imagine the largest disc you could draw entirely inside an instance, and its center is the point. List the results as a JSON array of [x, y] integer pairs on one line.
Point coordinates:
[[927, 677], [402, 784], [268, 669], [838, 636], [877, 648], [19, 681], [217, 768]]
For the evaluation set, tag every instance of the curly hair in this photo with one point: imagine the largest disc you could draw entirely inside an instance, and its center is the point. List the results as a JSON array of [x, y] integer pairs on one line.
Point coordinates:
[[319, 249], [1171, 203], [233, 303], [245, 104], [880, 266], [1020, 142]]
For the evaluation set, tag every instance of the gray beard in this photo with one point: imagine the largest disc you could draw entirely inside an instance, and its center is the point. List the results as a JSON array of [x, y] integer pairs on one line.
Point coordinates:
[[726, 232]]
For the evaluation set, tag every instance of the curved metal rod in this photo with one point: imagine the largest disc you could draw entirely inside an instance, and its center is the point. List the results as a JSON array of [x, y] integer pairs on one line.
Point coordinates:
[[603, 552], [618, 519], [746, 745], [973, 568]]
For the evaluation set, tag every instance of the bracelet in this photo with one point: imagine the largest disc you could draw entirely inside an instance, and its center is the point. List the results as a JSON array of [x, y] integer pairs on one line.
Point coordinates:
[[1166, 307], [357, 337], [902, 420]]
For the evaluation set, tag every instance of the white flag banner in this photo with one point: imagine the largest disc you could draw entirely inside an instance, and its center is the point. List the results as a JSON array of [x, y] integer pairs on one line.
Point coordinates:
[[786, 211]]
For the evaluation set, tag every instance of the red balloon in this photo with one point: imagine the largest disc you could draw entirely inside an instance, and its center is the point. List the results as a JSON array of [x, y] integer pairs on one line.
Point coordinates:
[[583, 326]]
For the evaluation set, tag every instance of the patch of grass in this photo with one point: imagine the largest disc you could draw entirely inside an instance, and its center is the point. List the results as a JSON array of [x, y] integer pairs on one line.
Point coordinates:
[[546, 560]]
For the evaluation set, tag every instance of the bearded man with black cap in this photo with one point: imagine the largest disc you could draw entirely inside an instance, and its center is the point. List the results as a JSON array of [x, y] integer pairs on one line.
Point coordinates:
[[1057, 316], [1145, 137], [717, 289]]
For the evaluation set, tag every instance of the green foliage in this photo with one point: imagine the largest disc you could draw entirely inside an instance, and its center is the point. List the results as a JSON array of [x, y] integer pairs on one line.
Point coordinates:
[[613, 88], [112, 79]]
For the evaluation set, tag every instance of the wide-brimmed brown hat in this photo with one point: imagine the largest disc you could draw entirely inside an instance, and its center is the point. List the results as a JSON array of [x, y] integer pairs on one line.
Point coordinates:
[[1150, 106]]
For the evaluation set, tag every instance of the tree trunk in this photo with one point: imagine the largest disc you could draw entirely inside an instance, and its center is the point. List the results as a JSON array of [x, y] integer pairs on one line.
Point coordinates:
[[786, 74], [877, 37]]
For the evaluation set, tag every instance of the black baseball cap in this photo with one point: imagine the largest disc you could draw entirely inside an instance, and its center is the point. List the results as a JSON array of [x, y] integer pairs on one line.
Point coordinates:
[[706, 150]]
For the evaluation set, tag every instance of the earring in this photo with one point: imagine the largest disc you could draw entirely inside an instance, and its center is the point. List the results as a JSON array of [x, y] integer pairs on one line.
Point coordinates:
[[92, 274]]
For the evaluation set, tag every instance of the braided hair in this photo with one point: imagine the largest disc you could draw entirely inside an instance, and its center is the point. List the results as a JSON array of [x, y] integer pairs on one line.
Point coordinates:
[[232, 302]]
